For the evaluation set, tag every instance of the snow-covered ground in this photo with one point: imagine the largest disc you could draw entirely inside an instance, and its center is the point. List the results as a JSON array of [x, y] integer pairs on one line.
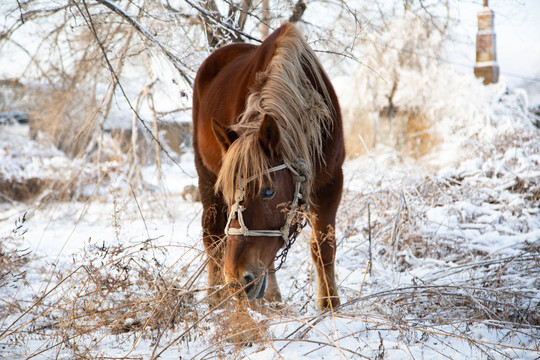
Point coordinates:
[[119, 272]]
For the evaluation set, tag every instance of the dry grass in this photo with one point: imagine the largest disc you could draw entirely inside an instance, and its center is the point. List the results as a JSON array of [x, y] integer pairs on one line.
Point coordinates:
[[61, 113], [420, 137], [473, 287], [109, 290], [14, 259], [22, 190], [128, 294], [409, 133], [360, 136]]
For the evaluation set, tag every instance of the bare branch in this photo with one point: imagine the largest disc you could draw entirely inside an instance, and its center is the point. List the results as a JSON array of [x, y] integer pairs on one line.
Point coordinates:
[[142, 30], [115, 76], [213, 17]]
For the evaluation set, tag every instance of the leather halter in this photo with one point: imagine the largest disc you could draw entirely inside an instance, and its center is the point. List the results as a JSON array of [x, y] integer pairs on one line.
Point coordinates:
[[299, 172]]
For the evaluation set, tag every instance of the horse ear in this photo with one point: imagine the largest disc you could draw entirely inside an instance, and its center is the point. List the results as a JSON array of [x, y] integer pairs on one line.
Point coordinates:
[[269, 135], [224, 136]]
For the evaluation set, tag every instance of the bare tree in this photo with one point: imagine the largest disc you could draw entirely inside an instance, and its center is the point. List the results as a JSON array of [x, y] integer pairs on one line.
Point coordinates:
[[93, 61]]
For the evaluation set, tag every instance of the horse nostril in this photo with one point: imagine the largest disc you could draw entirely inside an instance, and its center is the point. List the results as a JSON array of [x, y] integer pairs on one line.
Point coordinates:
[[248, 282], [248, 278]]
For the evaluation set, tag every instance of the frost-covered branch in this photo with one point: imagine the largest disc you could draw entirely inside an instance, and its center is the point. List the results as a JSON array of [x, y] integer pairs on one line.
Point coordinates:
[[178, 64], [212, 14]]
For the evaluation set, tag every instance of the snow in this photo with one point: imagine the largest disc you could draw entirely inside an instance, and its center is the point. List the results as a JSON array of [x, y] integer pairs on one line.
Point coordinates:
[[465, 263], [118, 272]]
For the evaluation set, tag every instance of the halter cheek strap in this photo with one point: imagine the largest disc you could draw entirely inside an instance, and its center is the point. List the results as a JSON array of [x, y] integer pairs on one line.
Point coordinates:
[[238, 208]]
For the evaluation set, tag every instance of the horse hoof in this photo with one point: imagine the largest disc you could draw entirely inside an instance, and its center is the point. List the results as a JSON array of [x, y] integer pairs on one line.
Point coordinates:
[[328, 303]]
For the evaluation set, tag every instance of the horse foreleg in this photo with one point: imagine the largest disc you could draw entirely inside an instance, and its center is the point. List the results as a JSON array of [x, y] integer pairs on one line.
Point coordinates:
[[323, 252], [323, 244], [213, 226], [214, 247]]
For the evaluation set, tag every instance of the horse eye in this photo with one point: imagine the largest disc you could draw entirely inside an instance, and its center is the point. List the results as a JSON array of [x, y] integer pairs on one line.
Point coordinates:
[[267, 193]]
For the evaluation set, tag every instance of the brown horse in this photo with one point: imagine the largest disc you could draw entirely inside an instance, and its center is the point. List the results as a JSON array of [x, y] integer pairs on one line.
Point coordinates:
[[268, 139]]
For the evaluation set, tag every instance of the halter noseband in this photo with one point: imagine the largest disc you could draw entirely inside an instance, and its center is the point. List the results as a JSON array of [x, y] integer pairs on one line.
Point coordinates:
[[299, 172]]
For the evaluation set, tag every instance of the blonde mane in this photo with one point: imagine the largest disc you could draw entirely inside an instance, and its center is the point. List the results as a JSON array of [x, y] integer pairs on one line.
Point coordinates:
[[283, 91]]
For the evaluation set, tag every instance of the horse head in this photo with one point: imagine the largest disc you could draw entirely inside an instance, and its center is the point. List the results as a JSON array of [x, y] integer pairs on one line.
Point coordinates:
[[262, 213]]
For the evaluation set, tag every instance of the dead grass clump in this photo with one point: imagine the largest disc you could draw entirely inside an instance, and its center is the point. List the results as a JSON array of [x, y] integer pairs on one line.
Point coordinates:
[[110, 289], [491, 295], [130, 292], [21, 190], [420, 136], [412, 220], [14, 258], [410, 133], [397, 218], [235, 325], [63, 113], [361, 135]]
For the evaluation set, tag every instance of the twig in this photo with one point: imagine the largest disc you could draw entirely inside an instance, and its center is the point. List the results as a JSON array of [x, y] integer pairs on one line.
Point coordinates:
[[370, 265], [350, 227], [395, 232], [140, 211], [229, 27], [369, 154]]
